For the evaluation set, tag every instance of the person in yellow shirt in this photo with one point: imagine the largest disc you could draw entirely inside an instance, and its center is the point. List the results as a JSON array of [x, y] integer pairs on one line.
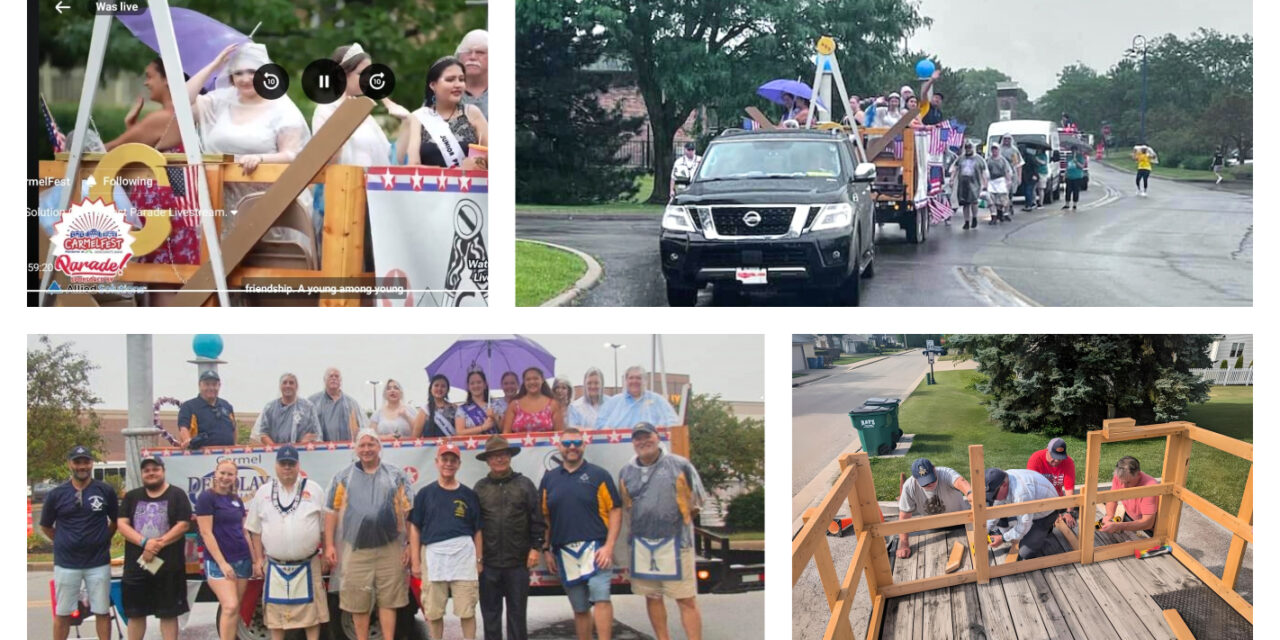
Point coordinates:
[[1144, 156]]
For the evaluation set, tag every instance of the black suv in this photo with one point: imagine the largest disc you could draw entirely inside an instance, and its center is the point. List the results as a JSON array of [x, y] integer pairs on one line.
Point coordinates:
[[772, 210]]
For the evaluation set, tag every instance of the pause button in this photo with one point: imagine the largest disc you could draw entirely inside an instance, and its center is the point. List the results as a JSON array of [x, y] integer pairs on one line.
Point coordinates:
[[324, 81]]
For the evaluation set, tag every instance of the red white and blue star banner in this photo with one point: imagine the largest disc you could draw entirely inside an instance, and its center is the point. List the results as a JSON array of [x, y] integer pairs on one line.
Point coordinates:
[[430, 229]]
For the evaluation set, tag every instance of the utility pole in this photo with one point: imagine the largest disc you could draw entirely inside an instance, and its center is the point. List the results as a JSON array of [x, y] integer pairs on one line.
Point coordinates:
[[1140, 42]]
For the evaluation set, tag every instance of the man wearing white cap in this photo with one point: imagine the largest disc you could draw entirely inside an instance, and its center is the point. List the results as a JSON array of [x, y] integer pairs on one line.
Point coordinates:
[[371, 499]]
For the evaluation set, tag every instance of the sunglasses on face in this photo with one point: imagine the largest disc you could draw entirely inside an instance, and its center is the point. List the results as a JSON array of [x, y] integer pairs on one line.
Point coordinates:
[[572, 443]]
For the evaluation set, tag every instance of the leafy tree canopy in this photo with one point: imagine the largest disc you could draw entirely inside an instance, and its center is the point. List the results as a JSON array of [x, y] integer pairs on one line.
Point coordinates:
[[59, 408], [725, 448]]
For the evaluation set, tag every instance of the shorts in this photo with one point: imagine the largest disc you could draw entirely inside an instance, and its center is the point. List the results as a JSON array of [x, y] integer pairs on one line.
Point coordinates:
[[685, 587], [435, 594], [66, 589], [595, 589], [373, 576], [243, 569], [163, 595], [301, 616]]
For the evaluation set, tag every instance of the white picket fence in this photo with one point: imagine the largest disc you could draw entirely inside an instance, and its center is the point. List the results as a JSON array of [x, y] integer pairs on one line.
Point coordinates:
[[1226, 376]]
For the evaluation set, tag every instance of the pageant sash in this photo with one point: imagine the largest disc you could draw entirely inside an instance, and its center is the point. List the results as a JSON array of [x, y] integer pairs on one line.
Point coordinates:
[[443, 138]]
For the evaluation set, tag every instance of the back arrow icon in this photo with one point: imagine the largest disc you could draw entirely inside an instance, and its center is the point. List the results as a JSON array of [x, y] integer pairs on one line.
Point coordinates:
[[60, 6]]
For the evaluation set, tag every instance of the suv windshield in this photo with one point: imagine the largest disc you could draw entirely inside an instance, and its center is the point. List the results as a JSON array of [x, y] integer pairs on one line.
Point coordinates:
[[1021, 137], [746, 159]]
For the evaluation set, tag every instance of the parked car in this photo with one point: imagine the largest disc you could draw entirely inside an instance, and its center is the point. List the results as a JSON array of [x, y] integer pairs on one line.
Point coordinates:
[[771, 210]]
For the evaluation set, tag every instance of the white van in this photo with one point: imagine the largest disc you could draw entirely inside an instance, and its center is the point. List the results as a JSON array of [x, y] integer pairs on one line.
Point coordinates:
[[1041, 131]]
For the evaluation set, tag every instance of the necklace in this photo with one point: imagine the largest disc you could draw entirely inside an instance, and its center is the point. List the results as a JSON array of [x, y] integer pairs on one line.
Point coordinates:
[[297, 497]]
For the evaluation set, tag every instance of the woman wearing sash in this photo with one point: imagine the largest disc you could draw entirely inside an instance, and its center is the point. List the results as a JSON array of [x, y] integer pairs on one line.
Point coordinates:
[[395, 419], [477, 415], [437, 419], [533, 410], [438, 134]]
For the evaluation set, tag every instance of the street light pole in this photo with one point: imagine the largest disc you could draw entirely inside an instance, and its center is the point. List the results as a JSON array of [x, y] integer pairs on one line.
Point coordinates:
[[615, 347], [1139, 41], [375, 384]]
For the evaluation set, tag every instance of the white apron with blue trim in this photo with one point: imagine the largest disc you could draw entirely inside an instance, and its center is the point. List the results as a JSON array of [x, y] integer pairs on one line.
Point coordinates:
[[655, 558], [577, 561], [288, 582]]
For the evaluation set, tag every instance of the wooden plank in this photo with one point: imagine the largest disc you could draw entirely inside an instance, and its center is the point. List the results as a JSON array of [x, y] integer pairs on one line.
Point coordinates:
[[1061, 597], [826, 571], [1216, 513], [978, 482], [1213, 582], [838, 625], [1116, 495], [966, 614], [1089, 498], [1033, 506], [937, 601], [1112, 602], [1176, 625], [1033, 564], [760, 118], [928, 583], [996, 617], [1237, 448], [1177, 459], [869, 509], [917, 598], [814, 529], [1055, 619], [1123, 549], [253, 224], [1117, 425], [1011, 555], [876, 146], [1023, 608], [877, 614], [1235, 555], [344, 219], [923, 523], [1068, 535], [956, 558], [1148, 432], [1135, 595]]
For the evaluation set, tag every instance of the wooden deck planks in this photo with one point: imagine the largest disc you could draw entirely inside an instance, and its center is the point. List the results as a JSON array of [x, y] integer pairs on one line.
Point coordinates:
[[936, 603], [1084, 617], [899, 612], [1099, 585], [966, 613], [1135, 594]]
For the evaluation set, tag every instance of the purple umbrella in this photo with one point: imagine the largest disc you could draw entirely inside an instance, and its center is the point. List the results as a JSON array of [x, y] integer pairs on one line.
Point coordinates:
[[495, 355], [200, 38], [773, 90]]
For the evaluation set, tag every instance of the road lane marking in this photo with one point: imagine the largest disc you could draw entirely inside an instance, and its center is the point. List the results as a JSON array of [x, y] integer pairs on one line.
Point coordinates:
[[991, 289]]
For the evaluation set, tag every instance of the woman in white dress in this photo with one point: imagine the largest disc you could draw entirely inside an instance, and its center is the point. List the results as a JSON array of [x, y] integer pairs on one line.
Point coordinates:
[[394, 420], [583, 411], [235, 120]]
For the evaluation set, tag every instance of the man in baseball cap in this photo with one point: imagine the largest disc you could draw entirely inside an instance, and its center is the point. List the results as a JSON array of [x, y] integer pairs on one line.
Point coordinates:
[[1030, 530], [1059, 469], [79, 516], [207, 418], [930, 491], [445, 545]]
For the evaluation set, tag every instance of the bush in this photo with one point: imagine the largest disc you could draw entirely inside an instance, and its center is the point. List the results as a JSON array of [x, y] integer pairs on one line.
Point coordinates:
[[1223, 365], [1197, 163], [746, 511], [1241, 172], [37, 543], [1239, 362]]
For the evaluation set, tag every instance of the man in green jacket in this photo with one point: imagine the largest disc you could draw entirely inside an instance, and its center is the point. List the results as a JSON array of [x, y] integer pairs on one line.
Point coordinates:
[[513, 534]]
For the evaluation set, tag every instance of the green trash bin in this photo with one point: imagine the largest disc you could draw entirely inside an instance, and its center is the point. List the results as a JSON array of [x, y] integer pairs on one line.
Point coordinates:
[[874, 429], [889, 403]]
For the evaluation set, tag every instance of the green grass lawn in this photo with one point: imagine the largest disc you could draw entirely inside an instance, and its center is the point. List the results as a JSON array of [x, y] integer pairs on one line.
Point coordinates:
[[1122, 162], [947, 418], [543, 272], [856, 358], [635, 204]]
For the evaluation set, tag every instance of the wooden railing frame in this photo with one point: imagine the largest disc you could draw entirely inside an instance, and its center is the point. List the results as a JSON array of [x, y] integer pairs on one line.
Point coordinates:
[[341, 241], [855, 487]]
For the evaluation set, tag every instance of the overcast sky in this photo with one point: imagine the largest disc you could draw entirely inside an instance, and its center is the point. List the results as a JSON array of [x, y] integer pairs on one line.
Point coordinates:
[[1032, 40], [730, 365]]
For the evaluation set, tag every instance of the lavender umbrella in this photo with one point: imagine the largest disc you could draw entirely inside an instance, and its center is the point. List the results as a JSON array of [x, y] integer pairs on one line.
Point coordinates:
[[495, 355], [200, 38], [773, 90]]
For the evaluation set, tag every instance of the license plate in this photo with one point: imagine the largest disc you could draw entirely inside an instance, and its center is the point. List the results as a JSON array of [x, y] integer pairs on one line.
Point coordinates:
[[751, 578], [753, 276]]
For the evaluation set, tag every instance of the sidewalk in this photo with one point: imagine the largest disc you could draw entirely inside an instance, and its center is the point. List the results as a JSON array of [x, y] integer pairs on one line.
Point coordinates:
[[814, 375]]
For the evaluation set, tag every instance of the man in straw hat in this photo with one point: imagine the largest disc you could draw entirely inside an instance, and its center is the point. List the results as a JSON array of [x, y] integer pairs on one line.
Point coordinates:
[[514, 532]]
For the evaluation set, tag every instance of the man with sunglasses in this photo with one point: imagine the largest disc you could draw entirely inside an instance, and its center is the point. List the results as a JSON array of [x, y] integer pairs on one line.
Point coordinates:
[[584, 513], [285, 524], [79, 516], [446, 545], [661, 495]]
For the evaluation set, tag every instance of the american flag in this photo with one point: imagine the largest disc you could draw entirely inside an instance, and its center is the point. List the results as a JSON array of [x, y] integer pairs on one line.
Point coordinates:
[[749, 124], [184, 181], [937, 144], [897, 148], [56, 139], [940, 209]]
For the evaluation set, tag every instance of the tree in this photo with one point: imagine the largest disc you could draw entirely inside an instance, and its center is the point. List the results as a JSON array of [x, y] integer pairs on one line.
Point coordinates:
[[685, 55], [566, 143], [725, 448], [60, 411], [406, 36], [1068, 384]]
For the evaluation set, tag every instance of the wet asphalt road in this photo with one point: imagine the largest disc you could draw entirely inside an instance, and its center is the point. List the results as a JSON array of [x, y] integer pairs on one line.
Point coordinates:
[[1185, 244]]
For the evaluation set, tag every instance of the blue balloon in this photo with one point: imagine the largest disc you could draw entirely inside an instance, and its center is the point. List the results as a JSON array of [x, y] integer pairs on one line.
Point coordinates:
[[207, 345], [925, 68]]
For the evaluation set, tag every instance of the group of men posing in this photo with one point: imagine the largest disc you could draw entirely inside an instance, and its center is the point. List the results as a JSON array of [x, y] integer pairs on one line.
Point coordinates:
[[1050, 473], [472, 544]]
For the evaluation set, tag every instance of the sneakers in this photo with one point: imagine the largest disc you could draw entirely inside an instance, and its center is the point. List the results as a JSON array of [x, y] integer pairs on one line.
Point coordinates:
[[1073, 207], [966, 224], [1066, 206], [1219, 180]]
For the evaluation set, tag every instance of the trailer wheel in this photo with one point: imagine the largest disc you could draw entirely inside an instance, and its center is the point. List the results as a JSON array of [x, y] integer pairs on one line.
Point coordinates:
[[255, 630], [913, 230]]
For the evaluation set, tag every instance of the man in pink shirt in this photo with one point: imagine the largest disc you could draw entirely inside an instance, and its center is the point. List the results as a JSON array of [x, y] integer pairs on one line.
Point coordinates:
[[1139, 513], [1059, 469]]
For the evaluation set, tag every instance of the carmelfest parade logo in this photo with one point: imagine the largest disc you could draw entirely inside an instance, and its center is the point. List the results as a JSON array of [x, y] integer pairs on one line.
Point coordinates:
[[92, 242]]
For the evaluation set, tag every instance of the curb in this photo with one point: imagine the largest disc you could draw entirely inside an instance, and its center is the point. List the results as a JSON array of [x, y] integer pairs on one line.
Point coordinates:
[[1202, 181], [804, 382], [39, 566], [588, 280]]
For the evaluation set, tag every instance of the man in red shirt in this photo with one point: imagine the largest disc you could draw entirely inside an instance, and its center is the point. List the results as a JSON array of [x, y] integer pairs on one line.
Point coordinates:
[[1139, 513], [1059, 469]]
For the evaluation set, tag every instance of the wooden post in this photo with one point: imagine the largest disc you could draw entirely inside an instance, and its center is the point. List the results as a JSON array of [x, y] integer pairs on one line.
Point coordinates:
[[868, 510], [978, 481], [344, 218], [1235, 555], [1089, 495], [1177, 457], [822, 560]]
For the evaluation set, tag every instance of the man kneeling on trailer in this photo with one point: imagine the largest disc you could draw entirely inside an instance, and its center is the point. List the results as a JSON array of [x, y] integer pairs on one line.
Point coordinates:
[[930, 490], [1029, 530]]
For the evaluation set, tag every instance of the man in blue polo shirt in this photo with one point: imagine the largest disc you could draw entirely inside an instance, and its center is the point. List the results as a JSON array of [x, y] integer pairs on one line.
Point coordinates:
[[584, 514], [207, 420], [80, 517], [636, 405]]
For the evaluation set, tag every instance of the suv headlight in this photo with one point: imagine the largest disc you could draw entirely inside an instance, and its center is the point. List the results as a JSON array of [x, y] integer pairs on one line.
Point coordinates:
[[677, 219], [834, 216]]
